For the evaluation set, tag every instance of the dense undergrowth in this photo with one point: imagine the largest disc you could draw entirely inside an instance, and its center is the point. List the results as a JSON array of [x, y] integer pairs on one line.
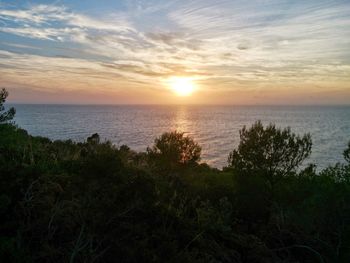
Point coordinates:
[[62, 201]]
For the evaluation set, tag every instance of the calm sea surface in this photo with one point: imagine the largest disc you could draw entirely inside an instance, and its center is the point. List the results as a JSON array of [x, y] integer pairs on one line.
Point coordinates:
[[215, 128]]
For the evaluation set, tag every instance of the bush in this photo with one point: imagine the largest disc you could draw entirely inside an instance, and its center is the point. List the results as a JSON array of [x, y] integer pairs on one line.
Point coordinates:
[[5, 116], [63, 201], [174, 150], [347, 154]]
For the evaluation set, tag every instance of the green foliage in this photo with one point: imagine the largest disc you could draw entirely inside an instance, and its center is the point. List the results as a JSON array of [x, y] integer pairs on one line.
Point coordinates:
[[269, 151], [62, 201], [5, 116], [174, 150]]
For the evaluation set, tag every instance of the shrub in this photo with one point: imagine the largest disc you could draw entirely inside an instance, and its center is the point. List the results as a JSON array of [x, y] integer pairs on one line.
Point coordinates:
[[5, 116], [173, 150], [347, 153]]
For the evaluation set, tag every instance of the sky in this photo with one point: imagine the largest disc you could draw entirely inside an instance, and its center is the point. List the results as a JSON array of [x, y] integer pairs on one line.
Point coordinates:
[[129, 51]]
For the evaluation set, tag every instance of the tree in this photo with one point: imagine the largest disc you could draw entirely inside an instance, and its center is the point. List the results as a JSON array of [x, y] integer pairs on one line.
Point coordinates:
[[271, 152], [347, 154], [94, 139], [5, 116], [173, 150]]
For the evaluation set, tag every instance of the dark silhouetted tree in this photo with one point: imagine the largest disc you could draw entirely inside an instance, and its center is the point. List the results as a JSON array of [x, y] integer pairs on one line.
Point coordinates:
[[5, 116], [173, 150], [271, 152], [347, 153], [94, 139]]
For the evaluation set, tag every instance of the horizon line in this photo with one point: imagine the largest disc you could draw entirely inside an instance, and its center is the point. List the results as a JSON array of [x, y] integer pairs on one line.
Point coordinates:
[[173, 104]]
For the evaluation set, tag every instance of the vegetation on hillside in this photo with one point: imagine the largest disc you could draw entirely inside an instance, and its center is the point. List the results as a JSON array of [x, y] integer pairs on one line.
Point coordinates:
[[5, 116], [63, 201]]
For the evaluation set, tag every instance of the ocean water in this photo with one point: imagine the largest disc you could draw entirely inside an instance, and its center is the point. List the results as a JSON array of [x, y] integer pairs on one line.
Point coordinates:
[[215, 128]]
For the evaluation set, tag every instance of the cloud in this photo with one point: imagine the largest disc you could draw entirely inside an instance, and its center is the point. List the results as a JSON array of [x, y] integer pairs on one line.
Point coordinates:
[[19, 45], [40, 33], [232, 43], [37, 14], [46, 14], [51, 22]]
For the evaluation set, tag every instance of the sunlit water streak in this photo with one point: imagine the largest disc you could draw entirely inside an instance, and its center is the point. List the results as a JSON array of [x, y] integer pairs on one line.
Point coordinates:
[[215, 128]]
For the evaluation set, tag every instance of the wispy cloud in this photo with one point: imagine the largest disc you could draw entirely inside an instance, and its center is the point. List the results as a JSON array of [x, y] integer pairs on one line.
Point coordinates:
[[19, 45], [46, 14], [232, 43]]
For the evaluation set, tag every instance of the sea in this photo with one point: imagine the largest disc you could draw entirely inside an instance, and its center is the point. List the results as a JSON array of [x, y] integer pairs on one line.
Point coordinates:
[[215, 128]]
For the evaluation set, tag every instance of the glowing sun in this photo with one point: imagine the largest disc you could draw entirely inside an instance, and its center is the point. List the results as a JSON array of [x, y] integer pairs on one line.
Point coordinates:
[[182, 86]]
